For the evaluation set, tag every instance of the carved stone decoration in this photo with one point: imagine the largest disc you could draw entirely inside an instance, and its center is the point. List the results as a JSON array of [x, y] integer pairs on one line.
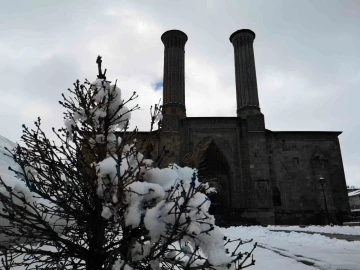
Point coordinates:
[[194, 159]]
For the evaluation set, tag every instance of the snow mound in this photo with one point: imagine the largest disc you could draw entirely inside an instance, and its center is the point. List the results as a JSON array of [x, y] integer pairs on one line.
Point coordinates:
[[5, 161]]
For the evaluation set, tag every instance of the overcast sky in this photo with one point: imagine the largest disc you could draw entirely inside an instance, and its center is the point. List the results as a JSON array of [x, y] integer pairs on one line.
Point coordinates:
[[307, 58]]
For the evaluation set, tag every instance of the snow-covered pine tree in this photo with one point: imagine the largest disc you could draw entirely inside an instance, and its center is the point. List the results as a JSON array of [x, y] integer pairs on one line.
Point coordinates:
[[92, 201]]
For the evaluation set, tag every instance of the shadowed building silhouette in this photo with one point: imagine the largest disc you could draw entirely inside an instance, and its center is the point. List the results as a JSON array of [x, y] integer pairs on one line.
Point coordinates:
[[262, 176]]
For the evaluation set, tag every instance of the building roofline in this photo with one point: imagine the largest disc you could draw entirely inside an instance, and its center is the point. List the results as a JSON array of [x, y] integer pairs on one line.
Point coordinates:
[[306, 132], [139, 132], [212, 117]]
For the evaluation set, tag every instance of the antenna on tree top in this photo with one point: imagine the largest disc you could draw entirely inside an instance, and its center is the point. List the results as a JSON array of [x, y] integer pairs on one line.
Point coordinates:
[[101, 75]]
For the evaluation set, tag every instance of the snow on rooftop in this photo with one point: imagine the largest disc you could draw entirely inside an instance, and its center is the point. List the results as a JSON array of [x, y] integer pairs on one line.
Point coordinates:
[[354, 193]]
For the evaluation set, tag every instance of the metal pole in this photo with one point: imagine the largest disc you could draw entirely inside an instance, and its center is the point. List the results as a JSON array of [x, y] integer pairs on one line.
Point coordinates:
[[326, 209]]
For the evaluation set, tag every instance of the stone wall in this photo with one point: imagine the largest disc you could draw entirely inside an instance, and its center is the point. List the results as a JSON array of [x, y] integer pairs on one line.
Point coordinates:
[[270, 177], [354, 201], [298, 160]]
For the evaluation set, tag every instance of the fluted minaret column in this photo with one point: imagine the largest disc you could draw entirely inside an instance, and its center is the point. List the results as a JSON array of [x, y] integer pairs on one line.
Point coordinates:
[[174, 72], [245, 73]]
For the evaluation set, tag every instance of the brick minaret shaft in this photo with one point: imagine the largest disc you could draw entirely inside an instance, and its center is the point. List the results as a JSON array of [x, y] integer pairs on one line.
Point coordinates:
[[245, 74], [174, 73]]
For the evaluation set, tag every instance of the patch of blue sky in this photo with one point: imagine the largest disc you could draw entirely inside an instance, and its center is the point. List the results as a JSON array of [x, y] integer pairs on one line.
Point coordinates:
[[158, 85]]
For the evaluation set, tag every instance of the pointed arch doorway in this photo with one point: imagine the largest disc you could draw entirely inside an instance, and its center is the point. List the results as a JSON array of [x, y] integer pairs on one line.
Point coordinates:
[[213, 168]]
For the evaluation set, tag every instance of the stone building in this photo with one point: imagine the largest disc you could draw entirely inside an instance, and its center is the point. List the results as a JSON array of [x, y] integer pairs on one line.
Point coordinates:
[[354, 199], [262, 176]]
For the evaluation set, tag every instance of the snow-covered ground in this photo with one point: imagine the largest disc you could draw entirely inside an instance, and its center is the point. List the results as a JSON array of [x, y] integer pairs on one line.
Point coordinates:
[[348, 230], [298, 251]]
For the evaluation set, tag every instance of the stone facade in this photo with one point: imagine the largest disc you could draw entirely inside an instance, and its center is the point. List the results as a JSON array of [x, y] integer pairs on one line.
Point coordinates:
[[262, 176], [354, 199]]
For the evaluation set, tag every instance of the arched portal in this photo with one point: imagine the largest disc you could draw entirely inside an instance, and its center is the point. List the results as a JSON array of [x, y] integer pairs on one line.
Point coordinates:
[[214, 169]]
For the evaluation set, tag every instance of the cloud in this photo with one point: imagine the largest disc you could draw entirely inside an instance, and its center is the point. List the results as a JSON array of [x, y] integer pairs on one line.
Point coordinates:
[[306, 55], [33, 111]]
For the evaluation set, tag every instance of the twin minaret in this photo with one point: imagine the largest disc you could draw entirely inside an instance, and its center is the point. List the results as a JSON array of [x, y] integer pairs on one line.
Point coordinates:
[[174, 73]]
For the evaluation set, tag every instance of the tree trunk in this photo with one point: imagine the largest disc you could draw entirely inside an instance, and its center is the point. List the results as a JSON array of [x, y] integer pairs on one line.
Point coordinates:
[[97, 238]]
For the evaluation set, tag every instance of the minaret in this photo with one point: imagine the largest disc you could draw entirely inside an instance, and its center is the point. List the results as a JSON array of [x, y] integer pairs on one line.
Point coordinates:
[[174, 73], [245, 74], [254, 160]]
